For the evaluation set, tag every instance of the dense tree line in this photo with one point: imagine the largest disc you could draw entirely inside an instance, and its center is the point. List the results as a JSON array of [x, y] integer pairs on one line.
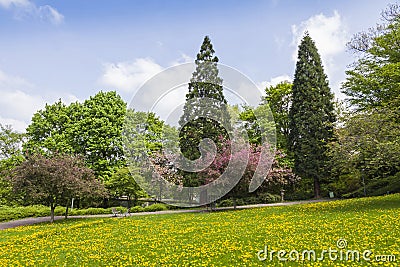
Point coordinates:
[[367, 153]]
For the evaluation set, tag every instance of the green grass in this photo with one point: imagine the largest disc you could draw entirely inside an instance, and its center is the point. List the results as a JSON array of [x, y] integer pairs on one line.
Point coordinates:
[[230, 238]]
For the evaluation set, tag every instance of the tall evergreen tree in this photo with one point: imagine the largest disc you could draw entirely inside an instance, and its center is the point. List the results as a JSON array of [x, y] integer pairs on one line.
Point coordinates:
[[311, 116], [195, 122]]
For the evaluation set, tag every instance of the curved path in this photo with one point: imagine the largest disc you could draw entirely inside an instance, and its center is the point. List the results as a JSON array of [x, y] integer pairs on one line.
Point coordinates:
[[34, 220]]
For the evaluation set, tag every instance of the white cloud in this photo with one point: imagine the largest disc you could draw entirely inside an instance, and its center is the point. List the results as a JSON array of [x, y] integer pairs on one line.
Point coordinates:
[[68, 98], [17, 125], [279, 41], [25, 8], [129, 76], [47, 12], [183, 59], [165, 95], [329, 33], [12, 82], [17, 106], [16, 3], [274, 81], [170, 105]]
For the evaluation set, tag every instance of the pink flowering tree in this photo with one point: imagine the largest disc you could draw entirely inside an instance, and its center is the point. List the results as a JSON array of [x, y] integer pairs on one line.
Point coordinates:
[[278, 176]]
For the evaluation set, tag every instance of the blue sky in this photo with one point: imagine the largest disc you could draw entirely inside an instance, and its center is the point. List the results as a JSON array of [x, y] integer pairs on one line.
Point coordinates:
[[71, 49]]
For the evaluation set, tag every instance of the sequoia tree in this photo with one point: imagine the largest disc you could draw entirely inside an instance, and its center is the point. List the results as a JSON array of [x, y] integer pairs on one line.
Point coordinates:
[[204, 99], [311, 116]]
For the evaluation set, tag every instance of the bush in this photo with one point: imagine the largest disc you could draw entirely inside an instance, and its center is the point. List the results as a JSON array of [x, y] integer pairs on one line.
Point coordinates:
[[155, 207], [95, 211], [137, 209], [269, 198], [225, 203], [345, 184], [379, 187], [13, 213], [262, 198]]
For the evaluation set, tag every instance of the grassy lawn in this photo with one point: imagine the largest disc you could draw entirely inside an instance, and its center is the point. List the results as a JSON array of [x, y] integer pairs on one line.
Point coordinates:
[[230, 238]]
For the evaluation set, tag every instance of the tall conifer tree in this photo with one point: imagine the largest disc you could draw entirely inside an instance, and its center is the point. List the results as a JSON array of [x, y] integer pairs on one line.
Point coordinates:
[[311, 116], [195, 122]]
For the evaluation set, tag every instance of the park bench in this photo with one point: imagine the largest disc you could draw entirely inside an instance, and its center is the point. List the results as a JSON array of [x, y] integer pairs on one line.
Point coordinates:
[[128, 212], [115, 212]]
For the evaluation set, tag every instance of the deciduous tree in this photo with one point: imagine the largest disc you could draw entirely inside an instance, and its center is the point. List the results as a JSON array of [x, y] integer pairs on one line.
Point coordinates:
[[279, 175], [368, 139], [373, 80], [10, 156], [50, 130], [55, 180], [98, 135], [279, 99], [123, 183]]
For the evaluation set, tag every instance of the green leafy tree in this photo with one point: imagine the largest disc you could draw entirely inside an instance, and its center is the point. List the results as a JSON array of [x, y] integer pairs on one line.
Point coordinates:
[[50, 130], [195, 122], [92, 129], [248, 117], [123, 183], [98, 134], [279, 100], [145, 137], [311, 116], [259, 124], [142, 133], [10, 142], [368, 139], [55, 180], [367, 150], [10, 156], [373, 80]]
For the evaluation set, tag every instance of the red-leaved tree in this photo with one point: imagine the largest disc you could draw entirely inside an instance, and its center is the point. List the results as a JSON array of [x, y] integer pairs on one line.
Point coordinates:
[[55, 180], [279, 175]]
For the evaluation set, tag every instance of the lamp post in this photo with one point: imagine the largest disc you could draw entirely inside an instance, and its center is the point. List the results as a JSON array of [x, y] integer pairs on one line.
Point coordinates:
[[282, 195], [363, 181]]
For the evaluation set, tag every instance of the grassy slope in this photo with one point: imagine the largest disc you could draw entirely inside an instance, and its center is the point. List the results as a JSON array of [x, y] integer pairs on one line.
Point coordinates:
[[230, 238]]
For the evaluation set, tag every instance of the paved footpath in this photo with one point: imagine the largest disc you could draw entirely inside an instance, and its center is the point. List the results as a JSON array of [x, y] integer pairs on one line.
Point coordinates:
[[29, 221]]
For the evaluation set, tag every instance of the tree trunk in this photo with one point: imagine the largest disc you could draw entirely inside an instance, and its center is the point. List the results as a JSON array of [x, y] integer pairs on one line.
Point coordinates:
[[129, 202], [234, 203], [52, 208], [66, 211], [77, 203], [317, 188]]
